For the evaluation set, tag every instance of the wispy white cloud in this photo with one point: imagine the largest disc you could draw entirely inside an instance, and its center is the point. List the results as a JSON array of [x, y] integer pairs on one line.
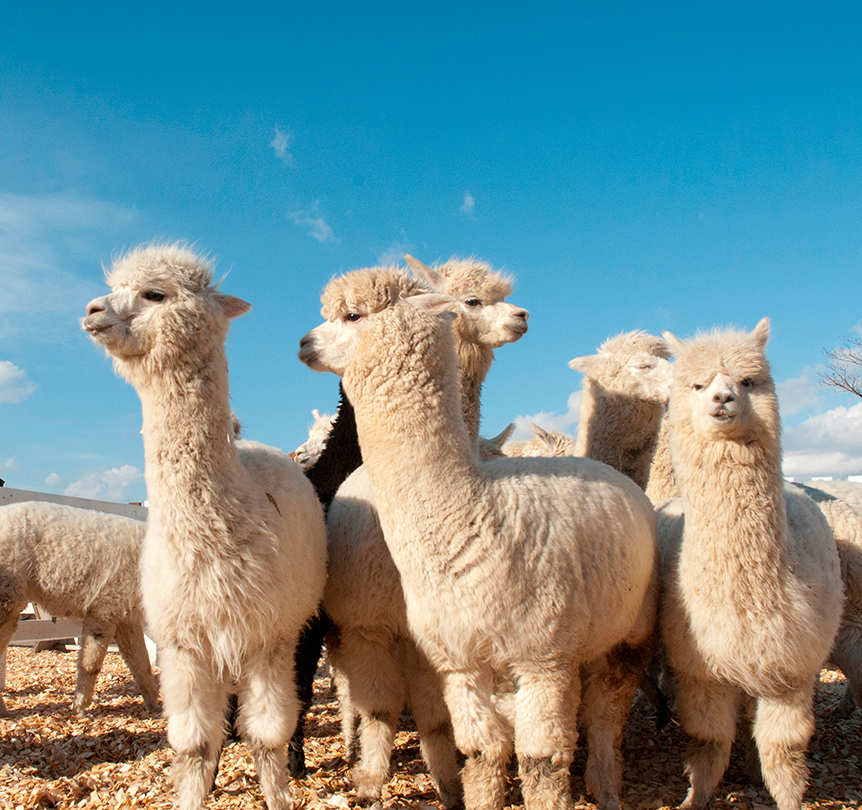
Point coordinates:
[[281, 143], [799, 393], [566, 422], [468, 207], [104, 484], [52, 480], [9, 464], [312, 218], [14, 385], [40, 236], [394, 254]]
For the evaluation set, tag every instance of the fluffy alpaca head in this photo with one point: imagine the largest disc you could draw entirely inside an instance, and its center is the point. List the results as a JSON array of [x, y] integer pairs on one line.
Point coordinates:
[[484, 317], [349, 304], [633, 363], [162, 311], [548, 443], [723, 388]]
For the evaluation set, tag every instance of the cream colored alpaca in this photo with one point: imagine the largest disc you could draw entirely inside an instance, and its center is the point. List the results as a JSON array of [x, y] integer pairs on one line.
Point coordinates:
[[234, 556], [751, 579], [514, 570], [546, 443], [376, 663], [80, 564], [625, 392], [307, 454]]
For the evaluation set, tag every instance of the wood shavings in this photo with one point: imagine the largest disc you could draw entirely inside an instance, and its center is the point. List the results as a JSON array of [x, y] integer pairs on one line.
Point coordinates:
[[117, 757]]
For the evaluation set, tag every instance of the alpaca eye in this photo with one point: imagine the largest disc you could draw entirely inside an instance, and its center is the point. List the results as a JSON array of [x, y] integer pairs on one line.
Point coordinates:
[[353, 317], [747, 382], [697, 387], [472, 302], [153, 295]]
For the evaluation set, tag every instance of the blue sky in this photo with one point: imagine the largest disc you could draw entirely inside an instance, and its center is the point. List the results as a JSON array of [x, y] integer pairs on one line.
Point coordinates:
[[632, 166]]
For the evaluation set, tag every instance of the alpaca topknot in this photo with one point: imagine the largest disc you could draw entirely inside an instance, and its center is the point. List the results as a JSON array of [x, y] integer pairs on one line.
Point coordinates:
[[628, 343], [366, 291], [162, 263], [465, 276]]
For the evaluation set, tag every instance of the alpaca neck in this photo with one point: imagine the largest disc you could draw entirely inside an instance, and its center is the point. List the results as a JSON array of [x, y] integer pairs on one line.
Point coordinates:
[[662, 482], [735, 515], [188, 434], [474, 361], [411, 428], [619, 430]]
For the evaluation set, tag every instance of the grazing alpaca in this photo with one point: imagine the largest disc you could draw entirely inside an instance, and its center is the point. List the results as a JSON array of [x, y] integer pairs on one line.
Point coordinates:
[[515, 570], [376, 663], [234, 556], [81, 564], [751, 580]]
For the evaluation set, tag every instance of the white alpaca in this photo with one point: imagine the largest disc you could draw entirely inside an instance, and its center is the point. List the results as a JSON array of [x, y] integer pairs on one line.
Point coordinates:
[[234, 556], [751, 579], [376, 663], [625, 393], [546, 443], [514, 570], [81, 564], [307, 454]]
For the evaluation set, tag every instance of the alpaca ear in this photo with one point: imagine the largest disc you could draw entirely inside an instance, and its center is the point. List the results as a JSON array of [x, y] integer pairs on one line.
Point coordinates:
[[501, 438], [232, 306], [542, 434], [425, 274], [432, 303], [584, 363], [761, 333], [674, 344]]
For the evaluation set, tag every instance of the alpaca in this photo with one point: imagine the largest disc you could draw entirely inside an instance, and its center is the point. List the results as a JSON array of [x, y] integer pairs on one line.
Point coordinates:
[[80, 564], [751, 580], [546, 443], [376, 663], [234, 557], [307, 454], [514, 570], [625, 392]]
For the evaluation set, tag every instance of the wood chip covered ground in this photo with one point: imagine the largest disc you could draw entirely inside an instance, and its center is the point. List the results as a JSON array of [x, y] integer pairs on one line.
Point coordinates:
[[117, 757]]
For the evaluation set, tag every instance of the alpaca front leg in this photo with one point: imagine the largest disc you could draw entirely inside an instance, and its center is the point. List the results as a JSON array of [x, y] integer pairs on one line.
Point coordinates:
[[433, 724], [546, 700], [847, 656], [610, 683], [481, 734], [782, 728], [268, 713], [96, 635], [195, 700], [130, 641], [708, 713]]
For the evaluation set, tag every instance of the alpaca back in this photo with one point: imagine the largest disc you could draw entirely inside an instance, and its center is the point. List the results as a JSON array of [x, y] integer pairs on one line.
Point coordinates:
[[72, 561]]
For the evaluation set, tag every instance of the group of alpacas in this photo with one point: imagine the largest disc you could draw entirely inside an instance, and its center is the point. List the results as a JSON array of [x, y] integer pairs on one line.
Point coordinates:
[[471, 584]]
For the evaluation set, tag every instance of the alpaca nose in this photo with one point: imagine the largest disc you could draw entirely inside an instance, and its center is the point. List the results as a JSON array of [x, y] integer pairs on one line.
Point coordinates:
[[95, 306], [521, 313], [723, 397]]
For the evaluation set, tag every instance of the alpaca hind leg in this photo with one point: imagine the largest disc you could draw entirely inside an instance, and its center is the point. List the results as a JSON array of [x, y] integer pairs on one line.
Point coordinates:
[[96, 635], [610, 684], [481, 734], [782, 728], [349, 715], [8, 625], [436, 738], [307, 657], [268, 713], [130, 640], [546, 702], [847, 656], [708, 713], [195, 699]]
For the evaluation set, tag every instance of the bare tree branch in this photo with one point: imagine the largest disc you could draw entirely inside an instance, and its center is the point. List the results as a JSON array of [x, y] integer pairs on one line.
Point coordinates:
[[844, 369]]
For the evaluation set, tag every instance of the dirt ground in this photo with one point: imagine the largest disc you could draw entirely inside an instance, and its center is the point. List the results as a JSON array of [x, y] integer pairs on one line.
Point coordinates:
[[117, 757]]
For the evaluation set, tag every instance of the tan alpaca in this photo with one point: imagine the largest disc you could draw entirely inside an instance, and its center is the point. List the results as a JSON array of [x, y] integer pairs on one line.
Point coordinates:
[[234, 557], [376, 663], [751, 580], [513, 570], [81, 564]]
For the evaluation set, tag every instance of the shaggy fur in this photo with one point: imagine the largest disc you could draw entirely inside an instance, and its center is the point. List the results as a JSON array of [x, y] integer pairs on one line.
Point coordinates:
[[376, 663], [508, 567], [547, 443], [751, 578], [234, 556], [80, 564], [625, 392]]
